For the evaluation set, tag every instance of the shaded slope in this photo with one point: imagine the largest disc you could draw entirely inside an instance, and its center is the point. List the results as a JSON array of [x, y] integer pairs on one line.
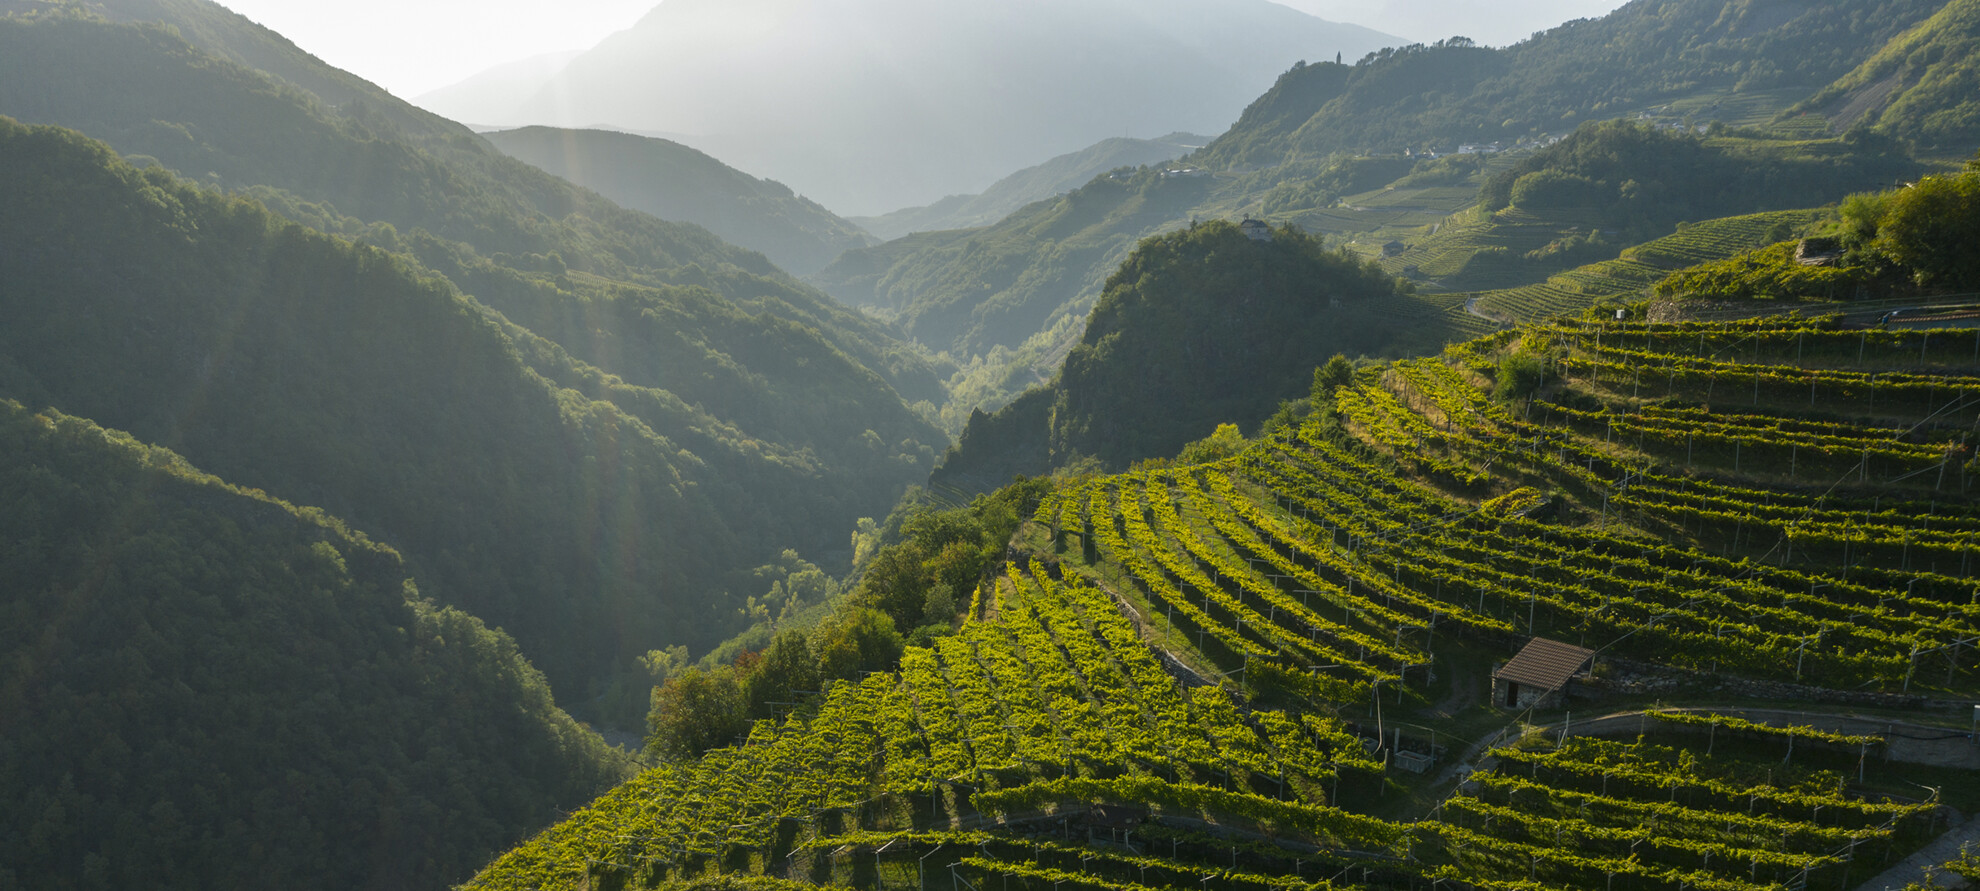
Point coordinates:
[[1208, 326], [674, 182], [204, 687], [335, 374], [795, 404], [368, 165]]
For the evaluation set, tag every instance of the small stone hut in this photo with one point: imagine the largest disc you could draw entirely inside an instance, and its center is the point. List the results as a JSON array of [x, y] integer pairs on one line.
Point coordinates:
[[1540, 674]]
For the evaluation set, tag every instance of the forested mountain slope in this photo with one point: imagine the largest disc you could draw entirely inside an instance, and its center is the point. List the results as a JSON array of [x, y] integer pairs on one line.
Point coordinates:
[[1036, 183], [674, 182], [338, 375], [1209, 326], [356, 161], [201, 687], [1643, 54], [1200, 327], [783, 411], [1919, 87]]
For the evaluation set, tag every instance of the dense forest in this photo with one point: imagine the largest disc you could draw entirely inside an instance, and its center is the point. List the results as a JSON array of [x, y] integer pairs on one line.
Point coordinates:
[[1208, 326], [342, 377], [201, 685]]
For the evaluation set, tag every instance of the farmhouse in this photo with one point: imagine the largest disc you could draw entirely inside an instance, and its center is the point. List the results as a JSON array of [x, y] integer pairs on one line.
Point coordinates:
[[1540, 674]]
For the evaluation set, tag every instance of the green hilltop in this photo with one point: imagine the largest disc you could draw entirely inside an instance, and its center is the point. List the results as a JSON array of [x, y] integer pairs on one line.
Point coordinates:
[[1203, 326]]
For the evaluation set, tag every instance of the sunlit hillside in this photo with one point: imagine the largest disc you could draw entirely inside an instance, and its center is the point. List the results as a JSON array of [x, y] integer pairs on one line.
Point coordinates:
[[1276, 669]]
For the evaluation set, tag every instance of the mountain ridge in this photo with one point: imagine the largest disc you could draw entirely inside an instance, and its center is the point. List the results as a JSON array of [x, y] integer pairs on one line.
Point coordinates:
[[675, 182], [813, 95], [1038, 182], [689, 353]]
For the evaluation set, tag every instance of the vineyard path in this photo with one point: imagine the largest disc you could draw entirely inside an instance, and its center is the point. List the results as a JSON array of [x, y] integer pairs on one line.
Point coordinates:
[[1912, 869]]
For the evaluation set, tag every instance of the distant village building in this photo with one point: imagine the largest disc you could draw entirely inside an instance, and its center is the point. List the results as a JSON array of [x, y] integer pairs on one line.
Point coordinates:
[[1540, 674], [1488, 148], [1393, 248], [1255, 230]]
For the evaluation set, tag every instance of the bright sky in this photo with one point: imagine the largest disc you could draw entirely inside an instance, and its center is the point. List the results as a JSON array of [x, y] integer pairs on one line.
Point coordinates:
[[414, 46], [411, 47]]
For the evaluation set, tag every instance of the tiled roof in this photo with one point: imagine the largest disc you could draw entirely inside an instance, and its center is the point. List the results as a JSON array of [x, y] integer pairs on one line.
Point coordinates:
[[1547, 664]]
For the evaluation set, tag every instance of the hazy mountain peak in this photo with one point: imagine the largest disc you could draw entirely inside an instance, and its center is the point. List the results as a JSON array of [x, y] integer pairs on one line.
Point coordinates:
[[872, 105]]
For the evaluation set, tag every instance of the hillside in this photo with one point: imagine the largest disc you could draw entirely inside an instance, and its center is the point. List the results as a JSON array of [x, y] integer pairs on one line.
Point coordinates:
[[1237, 673], [1613, 188], [1057, 176], [206, 687], [1346, 150], [868, 106], [674, 182], [1200, 327], [1210, 326], [358, 162], [969, 292], [1642, 55], [1624, 279], [1919, 87], [339, 375], [784, 413]]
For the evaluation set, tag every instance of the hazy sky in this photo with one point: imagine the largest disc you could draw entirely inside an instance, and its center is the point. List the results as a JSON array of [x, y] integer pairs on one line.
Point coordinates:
[[412, 46]]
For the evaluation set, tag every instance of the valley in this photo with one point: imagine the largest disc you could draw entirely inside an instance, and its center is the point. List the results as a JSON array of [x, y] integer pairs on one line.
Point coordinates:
[[1546, 466]]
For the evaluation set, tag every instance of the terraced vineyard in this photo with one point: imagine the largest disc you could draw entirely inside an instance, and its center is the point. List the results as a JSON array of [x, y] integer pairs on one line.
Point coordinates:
[[1584, 813], [1051, 698], [1640, 267], [1216, 675]]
